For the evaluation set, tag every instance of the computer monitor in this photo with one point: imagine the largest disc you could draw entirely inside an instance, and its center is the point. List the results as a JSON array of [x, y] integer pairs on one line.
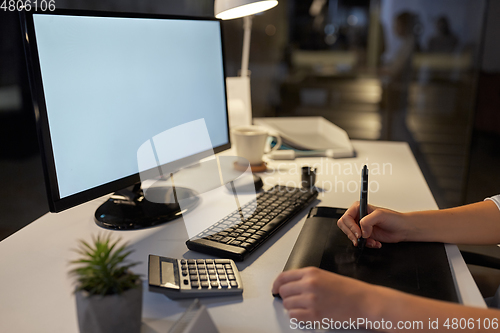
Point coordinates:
[[103, 84]]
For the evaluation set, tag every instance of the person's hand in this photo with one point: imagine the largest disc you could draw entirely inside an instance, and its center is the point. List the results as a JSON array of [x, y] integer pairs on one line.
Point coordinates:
[[313, 294], [380, 225]]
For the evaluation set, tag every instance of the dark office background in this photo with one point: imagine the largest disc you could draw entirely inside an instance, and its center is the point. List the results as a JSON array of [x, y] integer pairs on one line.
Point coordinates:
[[325, 58]]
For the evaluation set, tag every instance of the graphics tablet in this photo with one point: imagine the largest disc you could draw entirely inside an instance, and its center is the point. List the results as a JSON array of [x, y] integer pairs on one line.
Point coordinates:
[[413, 267]]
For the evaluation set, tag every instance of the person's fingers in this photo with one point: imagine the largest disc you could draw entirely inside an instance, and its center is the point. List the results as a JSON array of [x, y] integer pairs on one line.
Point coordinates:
[[371, 243], [296, 302], [347, 223], [287, 277], [350, 228], [353, 211], [291, 289], [369, 221]]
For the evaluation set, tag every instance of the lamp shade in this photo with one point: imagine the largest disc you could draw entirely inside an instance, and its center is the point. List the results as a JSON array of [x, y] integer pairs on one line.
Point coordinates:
[[231, 9]]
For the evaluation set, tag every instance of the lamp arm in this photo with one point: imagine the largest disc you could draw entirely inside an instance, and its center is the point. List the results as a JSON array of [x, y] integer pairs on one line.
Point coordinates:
[[247, 27]]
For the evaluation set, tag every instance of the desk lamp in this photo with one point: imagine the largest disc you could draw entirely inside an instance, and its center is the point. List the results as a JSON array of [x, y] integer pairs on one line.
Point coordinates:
[[238, 88]]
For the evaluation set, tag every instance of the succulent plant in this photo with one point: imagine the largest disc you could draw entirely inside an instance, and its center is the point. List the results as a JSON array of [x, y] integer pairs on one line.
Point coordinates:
[[103, 268]]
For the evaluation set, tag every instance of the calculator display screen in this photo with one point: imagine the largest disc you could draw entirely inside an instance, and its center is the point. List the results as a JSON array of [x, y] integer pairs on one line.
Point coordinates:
[[167, 274]]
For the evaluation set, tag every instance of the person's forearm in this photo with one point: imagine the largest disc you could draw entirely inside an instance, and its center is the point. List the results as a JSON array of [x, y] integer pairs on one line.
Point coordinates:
[[477, 223], [412, 313]]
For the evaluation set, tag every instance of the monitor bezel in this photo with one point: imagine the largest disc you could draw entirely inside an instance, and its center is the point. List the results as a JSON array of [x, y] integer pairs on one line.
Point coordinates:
[[56, 203]]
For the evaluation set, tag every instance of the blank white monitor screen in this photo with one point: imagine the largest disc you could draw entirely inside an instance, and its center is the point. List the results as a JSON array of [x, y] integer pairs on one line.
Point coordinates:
[[111, 83]]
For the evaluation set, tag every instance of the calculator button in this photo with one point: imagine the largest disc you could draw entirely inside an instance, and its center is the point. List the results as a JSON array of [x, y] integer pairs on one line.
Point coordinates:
[[202, 271], [183, 261], [228, 266], [229, 271], [184, 272], [213, 277], [204, 284], [234, 284], [209, 261], [191, 261], [192, 266], [186, 282], [245, 245], [192, 271], [231, 277], [223, 284], [210, 266], [193, 277], [220, 271], [219, 266], [203, 277], [195, 284], [200, 261], [211, 271], [214, 284]]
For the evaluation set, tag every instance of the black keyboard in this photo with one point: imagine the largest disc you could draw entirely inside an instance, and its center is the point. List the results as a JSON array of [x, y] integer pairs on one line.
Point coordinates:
[[244, 230]]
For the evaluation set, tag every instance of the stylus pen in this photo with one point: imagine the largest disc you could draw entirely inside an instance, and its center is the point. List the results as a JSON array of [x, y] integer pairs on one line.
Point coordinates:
[[363, 203]]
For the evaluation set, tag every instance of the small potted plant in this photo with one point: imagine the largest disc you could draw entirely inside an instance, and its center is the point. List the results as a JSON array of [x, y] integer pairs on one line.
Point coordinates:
[[108, 294]]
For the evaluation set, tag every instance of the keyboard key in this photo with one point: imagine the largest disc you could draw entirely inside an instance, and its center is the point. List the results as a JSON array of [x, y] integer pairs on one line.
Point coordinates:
[[234, 284], [205, 284], [231, 277], [262, 216], [221, 271], [195, 284], [212, 277], [214, 284], [226, 240], [223, 284], [203, 277], [193, 277]]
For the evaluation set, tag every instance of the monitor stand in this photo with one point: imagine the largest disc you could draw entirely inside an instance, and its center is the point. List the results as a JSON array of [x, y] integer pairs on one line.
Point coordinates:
[[129, 209]]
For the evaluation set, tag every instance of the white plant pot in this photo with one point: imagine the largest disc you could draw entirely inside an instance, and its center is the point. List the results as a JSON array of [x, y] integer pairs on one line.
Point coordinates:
[[112, 313]]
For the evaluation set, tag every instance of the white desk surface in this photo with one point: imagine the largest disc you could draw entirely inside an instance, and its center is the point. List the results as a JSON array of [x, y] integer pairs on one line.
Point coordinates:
[[36, 291]]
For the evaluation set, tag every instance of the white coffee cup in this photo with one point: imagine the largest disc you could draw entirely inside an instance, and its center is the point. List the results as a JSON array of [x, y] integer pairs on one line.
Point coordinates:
[[250, 142]]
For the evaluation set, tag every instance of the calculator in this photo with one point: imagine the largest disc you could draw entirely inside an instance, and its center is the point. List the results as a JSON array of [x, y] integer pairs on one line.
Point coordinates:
[[192, 278]]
